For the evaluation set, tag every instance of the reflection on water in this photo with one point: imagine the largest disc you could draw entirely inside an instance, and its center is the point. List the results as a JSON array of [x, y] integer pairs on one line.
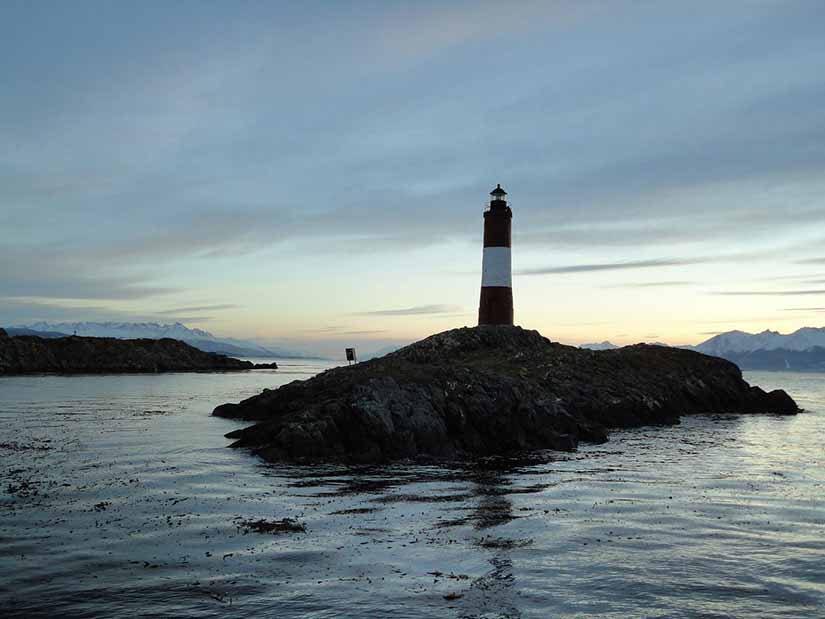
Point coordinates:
[[120, 498]]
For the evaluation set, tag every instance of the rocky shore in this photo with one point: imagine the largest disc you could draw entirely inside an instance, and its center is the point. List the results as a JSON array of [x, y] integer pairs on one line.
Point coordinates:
[[488, 390], [103, 355]]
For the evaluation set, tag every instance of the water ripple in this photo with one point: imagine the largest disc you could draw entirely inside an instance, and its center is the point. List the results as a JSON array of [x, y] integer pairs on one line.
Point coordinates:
[[120, 498]]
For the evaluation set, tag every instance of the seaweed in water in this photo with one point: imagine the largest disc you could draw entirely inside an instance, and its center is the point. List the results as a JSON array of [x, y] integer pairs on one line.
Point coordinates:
[[286, 525]]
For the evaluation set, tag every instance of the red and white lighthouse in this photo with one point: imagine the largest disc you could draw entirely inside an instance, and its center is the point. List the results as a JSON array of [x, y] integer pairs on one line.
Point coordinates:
[[496, 305]]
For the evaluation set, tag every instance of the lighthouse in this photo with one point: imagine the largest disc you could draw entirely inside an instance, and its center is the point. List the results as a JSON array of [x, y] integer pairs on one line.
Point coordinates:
[[496, 305]]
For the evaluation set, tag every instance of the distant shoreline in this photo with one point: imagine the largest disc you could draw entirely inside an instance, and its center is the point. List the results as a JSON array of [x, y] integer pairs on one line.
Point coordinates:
[[75, 355]]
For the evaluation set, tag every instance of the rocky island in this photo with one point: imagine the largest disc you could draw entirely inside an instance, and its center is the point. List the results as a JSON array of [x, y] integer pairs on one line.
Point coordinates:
[[26, 354], [488, 390]]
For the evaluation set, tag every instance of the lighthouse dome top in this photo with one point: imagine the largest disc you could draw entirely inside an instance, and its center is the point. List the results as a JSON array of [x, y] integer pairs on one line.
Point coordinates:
[[498, 193]]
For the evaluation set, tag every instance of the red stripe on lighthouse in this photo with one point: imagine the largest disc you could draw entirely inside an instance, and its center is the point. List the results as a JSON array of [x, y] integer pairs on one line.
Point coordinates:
[[496, 304]]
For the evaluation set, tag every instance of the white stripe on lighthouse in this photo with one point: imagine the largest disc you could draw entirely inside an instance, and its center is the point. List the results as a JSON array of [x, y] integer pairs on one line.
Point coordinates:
[[495, 267]]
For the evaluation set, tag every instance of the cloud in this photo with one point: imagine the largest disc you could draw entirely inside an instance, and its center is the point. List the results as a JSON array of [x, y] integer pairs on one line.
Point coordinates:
[[187, 319], [665, 284], [614, 266], [16, 311], [425, 32], [222, 140], [64, 274], [687, 218], [78, 286], [804, 309], [767, 293], [19, 311], [654, 262], [327, 329], [201, 308], [338, 330], [418, 310], [740, 320], [811, 261]]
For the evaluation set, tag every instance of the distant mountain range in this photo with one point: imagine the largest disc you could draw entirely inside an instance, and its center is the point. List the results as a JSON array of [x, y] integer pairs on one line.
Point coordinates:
[[13, 331], [600, 346], [802, 350], [740, 341], [132, 330]]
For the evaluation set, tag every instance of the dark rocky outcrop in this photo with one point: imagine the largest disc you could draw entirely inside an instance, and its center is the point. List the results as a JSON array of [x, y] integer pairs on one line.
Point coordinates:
[[488, 390], [99, 355]]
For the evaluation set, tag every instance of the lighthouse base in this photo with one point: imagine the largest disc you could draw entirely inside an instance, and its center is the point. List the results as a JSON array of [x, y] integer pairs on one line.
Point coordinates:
[[495, 306]]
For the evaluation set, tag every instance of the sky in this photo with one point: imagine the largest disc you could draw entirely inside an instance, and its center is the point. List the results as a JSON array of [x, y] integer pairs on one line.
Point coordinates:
[[315, 173]]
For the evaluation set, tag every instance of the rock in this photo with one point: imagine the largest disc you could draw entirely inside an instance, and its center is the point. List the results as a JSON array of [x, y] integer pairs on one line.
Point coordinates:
[[72, 355], [776, 401], [286, 525], [488, 390], [265, 366], [3, 334]]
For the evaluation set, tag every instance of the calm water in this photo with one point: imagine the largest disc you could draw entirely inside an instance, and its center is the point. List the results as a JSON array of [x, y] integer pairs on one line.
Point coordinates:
[[120, 499]]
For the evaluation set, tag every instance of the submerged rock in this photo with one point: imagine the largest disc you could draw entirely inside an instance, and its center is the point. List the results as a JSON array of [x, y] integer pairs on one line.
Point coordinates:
[[96, 355], [488, 390]]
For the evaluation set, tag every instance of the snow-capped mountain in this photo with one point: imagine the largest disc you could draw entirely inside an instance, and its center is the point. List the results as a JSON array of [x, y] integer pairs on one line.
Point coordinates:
[[123, 330], [152, 330], [741, 341], [599, 345]]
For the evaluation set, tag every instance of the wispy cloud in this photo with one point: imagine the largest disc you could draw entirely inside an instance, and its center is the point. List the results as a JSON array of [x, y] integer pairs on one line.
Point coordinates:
[[767, 293], [418, 310], [334, 330], [635, 229], [21, 311], [614, 266], [811, 261], [189, 319], [654, 263], [804, 309], [18, 311], [665, 284], [326, 329], [201, 308], [739, 320], [63, 274]]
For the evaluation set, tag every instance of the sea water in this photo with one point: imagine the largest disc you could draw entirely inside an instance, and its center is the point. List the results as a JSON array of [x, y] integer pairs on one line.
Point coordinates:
[[120, 498]]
